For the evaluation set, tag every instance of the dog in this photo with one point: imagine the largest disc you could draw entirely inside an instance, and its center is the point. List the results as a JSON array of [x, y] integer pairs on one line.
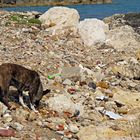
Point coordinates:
[[22, 79]]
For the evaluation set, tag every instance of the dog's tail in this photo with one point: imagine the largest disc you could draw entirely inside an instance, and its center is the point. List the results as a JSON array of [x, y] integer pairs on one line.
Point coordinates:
[[0, 90]]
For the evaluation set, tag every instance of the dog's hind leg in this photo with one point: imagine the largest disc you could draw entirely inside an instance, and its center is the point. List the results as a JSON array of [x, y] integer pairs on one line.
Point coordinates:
[[4, 98], [4, 90]]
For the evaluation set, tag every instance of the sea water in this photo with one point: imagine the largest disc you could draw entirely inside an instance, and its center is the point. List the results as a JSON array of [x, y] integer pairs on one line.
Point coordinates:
[[91, 11]]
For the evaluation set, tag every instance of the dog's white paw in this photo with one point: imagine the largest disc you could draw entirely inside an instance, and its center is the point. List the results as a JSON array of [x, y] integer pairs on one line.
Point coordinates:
[[33, 108]]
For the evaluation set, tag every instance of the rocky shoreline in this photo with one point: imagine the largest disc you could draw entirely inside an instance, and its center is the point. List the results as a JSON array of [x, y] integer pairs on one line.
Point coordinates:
[[15, 3], [91, 66]]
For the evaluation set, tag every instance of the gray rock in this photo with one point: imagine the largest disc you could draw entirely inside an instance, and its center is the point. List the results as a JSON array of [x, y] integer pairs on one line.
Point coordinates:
[[3, 108], [110, 105], [62, 103], [17, 126], [73, 128], [69, 72], [86, 122], [67, 82], [95, 116], [7, 118]]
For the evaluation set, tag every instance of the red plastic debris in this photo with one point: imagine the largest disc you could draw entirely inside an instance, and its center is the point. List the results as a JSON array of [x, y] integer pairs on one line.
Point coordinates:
[[68, 134], [60, 127], [67, 114], [71, 90], [7, 133]]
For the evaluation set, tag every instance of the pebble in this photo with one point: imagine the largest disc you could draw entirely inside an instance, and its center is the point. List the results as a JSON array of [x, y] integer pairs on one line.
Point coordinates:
[[32, 116], [3, 108], [85, 122], [17, 126], [92, 85], [108, 93], [122, 110], [103, 85], [73, 128], [7, 118], [67, 82]]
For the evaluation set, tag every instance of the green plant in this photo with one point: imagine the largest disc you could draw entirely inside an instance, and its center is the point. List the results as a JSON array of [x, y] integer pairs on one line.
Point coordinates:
[[17, 17], [24, 20], [34, 21]]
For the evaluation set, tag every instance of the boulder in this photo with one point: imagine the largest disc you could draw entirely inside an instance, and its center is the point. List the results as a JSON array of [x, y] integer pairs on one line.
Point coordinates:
[[99, 132], [92, 31], [127, 98], [63, 103], [71, 72], [133, 20], [122, 37], [59, 17], [115, 20], [129, 69]]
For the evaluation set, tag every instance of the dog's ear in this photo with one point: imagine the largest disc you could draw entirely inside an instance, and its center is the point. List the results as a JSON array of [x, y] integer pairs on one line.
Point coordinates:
[[46, 91]]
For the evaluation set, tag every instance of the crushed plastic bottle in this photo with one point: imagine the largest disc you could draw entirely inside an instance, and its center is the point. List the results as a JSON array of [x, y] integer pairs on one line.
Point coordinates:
[[53, 76]]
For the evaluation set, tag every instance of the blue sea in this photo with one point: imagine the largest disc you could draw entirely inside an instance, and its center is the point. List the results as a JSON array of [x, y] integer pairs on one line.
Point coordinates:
[[99, 11]]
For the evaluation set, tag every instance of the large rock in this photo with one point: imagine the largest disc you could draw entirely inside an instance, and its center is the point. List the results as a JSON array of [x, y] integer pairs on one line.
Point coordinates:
[[133, 19], [99, 132], [59, 17], [62, 103], [124, 30], [115, 20], [122, 37], [92, 31], [129, 68], [131, 100]]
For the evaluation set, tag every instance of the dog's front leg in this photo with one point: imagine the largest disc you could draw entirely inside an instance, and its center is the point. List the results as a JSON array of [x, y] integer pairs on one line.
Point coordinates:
[[31, 102], [21, 99], [32, 90]]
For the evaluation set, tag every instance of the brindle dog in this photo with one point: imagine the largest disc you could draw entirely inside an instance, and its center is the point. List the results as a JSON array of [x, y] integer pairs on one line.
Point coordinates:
[[24, 80]]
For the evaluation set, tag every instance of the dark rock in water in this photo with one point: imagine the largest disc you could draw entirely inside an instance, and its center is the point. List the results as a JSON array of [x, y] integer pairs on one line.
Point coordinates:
[[133, 20], [9, 1]]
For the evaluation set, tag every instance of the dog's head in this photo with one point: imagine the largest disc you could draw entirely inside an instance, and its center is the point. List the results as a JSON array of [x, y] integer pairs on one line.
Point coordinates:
[[40, 93]]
